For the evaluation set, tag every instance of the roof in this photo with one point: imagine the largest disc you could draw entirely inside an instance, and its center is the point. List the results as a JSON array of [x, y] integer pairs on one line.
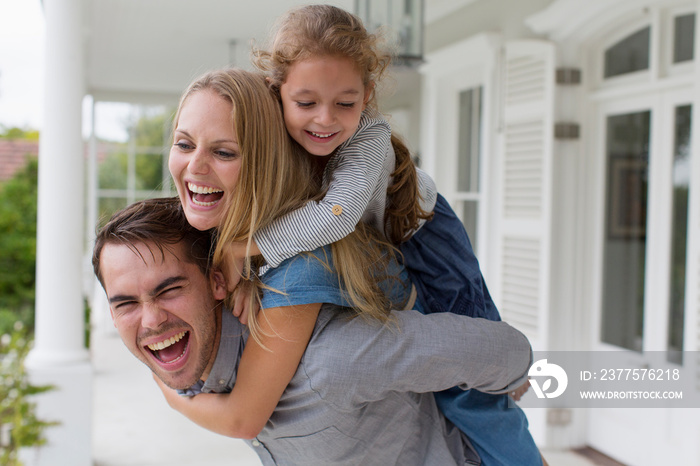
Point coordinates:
[[14, 154]]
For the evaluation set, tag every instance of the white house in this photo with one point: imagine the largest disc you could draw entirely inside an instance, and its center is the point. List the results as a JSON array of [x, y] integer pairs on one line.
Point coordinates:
[[561, 132]]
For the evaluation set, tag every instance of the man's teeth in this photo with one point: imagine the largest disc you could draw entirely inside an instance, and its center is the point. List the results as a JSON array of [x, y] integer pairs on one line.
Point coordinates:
[[202, 189], [322, 136], [165, 343]]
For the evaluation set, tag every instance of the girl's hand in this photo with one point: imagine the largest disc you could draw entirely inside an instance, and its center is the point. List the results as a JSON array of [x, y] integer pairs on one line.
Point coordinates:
[[242, 303]]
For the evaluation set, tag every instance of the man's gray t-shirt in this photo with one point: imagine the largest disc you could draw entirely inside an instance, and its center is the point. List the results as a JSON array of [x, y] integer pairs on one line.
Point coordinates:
[[362, 392]]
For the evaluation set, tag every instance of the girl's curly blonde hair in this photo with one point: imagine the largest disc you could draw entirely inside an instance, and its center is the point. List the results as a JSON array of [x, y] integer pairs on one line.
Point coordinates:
[[323, 30]]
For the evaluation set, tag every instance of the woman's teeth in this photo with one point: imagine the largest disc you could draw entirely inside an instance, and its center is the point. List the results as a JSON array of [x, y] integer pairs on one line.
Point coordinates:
[[202, 189]]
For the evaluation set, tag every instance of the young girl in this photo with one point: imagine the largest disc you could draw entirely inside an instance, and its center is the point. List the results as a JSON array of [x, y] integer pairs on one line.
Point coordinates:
[[324, 66]]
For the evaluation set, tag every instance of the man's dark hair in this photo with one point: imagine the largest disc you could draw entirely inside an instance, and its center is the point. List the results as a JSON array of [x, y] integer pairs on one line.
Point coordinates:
[[160, 222]]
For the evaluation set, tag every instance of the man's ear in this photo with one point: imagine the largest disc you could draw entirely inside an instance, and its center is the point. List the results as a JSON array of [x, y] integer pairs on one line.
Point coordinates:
[[218, 284]]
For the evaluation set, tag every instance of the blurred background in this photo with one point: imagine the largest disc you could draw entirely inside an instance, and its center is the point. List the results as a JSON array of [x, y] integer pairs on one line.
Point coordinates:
[[560, 131]]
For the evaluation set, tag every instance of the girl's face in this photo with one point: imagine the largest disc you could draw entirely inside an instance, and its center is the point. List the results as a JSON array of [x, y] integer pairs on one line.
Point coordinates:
[[323, 99], [204, 159]]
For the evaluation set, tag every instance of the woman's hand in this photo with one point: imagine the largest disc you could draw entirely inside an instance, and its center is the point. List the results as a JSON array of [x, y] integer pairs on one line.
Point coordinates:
[[232, 268], [242, 303], [235, 259]]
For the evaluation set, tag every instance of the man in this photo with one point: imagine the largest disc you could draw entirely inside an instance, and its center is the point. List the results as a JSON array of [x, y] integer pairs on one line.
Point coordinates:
[[361, 394]]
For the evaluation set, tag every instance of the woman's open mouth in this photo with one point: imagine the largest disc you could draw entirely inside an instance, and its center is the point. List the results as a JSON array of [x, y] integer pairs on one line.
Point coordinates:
[[204, 196]]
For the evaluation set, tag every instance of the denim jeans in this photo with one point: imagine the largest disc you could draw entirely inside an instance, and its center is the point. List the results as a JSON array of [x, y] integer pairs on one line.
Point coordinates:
[[442, 265], [446, 273]]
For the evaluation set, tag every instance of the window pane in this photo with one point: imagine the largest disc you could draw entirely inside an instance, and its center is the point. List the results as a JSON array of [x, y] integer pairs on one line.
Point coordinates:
[[107, 207], [113, 169], [679, 238], [469, 140], [624, 251], [683, 38], [629, 55], [470, 211], [149, 171]]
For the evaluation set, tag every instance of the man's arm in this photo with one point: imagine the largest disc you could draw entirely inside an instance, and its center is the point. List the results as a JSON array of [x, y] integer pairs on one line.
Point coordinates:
[[418, 353]]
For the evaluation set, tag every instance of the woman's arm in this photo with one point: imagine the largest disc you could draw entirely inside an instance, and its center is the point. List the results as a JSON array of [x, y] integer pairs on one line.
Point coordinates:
[[263, 375]]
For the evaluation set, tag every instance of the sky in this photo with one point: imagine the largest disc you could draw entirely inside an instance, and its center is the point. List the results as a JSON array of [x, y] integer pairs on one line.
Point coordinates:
[[21, 58]]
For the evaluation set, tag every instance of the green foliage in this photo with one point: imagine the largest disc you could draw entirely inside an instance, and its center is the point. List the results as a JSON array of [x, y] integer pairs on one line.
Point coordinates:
[[149, 130], [19, 133], [18, 213], [19, 426]]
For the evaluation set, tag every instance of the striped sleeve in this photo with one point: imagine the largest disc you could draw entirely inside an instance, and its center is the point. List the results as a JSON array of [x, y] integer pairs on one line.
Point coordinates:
[[358, 174]]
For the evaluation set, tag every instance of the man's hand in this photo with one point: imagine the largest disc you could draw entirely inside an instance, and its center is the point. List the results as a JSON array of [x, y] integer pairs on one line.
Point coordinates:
[[520, 391]]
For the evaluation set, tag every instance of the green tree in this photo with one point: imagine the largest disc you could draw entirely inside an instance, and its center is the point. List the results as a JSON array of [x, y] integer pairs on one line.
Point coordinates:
[[149, 133], [18, 212], [18, 133]]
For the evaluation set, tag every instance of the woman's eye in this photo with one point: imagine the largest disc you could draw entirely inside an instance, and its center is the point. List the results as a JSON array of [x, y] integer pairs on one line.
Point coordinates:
[[347, 104], [224, 154], [304, 104], [183, 145]]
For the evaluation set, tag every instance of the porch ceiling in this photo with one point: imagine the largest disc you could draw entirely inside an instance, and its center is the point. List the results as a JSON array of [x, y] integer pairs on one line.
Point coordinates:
[[149, 50]]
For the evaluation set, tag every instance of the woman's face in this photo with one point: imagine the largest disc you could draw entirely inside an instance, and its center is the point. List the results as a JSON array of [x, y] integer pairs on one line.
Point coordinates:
[[205, 159]]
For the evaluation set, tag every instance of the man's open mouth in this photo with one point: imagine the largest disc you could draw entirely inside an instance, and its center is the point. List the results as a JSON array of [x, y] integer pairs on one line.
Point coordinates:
[[203, 195], [172, 349]]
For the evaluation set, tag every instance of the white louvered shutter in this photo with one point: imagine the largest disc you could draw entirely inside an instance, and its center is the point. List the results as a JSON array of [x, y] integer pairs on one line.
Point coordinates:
[[525, 188], [691, 338]]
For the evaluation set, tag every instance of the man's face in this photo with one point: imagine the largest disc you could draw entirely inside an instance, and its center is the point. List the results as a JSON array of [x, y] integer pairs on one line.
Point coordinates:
[[165, 310]]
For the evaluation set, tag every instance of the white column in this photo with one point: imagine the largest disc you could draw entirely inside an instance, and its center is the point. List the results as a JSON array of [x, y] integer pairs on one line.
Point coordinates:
[[59, 356]]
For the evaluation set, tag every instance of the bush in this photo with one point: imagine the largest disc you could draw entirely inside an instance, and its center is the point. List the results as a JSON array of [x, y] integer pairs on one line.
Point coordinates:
[[18, 212], [19, 426]]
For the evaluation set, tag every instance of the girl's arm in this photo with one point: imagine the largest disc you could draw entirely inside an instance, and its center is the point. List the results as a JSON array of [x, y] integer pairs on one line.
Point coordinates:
[[360, 168], [263, 374]]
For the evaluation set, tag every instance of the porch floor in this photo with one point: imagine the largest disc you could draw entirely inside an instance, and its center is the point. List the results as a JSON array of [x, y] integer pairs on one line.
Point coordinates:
[[134, 426]]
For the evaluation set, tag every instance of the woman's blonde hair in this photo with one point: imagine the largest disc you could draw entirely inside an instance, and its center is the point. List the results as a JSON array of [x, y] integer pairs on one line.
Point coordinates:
[[275, 178]]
